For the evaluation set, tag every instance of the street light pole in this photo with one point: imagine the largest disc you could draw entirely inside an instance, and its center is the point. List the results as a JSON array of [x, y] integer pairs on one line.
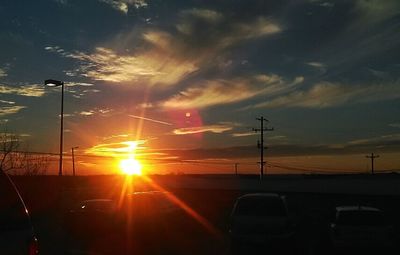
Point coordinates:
[[60, 168], [56, 83]]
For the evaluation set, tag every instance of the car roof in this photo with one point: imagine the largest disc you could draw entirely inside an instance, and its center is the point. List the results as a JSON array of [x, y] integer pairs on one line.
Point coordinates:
[[356, 208], [97, 200], [144, 193], [265, 195]]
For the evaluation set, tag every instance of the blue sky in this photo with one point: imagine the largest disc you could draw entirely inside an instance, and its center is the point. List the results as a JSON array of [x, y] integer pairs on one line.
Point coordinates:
[[187, 79]]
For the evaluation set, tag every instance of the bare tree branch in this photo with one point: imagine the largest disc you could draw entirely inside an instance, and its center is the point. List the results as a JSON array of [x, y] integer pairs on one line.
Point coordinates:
[[16, 162]]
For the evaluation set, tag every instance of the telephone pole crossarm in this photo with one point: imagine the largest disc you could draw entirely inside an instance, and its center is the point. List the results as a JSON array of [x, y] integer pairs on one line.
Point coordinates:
[[372, 157]]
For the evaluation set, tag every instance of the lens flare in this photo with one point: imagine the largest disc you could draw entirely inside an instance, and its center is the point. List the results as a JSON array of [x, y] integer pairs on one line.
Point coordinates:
[[130, 166]]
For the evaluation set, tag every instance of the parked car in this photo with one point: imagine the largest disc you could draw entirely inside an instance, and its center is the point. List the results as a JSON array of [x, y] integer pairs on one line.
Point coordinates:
[[151, 208], [153, 214], [92, 215], [260, 218], [160, 201], [360, 226], [16, 232], [105, 206]]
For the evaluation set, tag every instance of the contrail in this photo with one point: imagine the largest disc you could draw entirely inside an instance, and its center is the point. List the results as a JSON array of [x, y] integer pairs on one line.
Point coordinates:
[[152, 120]]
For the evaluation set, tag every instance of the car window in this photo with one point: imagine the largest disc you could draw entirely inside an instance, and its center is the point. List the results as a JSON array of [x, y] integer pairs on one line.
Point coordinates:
[[360, 218], [12, 211], [255, 206]]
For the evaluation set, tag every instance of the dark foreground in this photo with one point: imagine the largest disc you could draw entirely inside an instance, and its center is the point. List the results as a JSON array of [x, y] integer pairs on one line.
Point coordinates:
[[51, 198]]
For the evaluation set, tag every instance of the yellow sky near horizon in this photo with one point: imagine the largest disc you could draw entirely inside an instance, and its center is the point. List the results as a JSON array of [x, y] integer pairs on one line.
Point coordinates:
[[356, 163]]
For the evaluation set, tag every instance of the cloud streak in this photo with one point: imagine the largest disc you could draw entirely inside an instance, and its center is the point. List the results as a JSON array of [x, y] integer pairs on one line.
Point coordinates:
[[326, 94], [8, 110], [3, 73], [124, 5], [379, 140], [166, 58], [218, 92], [96, 111], [218, 129], [24, 90], [118, 149], [243, 134]]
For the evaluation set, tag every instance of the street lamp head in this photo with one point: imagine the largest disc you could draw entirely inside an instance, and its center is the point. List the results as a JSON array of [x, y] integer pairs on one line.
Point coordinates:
[[53, 83]]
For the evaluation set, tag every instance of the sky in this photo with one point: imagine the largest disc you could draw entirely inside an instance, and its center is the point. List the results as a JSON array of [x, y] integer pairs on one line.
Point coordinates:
[[180, 81]]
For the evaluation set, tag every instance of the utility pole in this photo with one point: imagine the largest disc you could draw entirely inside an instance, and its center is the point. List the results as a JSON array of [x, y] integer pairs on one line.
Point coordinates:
[[372, 157], [236, 169], [260, 144], [73, 160]]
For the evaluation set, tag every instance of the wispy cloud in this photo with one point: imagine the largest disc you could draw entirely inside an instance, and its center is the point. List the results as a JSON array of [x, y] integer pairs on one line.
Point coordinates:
[[124, 5], [217, 92], [221, 30], [208, 15], [3, 73], [242, 134], [326, 94], [117, 5], [211, 93], [73, 84], [24, 90], [377, 140], [7, 102], [105, 64], [374, 11], [118, 149], [118, 136], [96, 111], [218, 128], [318, 65], [168, 57], [7, 110], [277, 137], [86, 113], [278, 150], [4, 70], [81, 92], [396, 125]]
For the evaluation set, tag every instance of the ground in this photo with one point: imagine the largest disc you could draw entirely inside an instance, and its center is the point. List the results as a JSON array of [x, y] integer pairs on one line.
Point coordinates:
[[311, 199]]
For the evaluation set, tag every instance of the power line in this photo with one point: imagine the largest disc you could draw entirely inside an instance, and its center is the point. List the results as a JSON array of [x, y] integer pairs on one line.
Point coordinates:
[[311, 170]]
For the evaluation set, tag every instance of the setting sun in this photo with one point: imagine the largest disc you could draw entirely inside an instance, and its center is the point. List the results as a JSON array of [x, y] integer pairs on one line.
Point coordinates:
[[131, 166]]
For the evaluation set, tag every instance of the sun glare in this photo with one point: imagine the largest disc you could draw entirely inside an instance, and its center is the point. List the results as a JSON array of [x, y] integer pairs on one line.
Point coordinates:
[[131, 166]]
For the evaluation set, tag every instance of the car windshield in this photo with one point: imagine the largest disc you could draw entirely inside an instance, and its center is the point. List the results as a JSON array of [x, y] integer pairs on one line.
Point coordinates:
[[260, 206], [356, 218]]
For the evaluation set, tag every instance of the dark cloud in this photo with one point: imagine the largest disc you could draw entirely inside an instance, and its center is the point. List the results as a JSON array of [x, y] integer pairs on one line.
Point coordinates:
[[247, 152]]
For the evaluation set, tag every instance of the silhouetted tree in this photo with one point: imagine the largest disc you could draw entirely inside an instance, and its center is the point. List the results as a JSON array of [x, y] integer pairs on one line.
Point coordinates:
[[12, 160], [9, 144]]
